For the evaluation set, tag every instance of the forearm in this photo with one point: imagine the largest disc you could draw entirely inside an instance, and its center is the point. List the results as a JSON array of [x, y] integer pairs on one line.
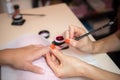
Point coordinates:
[[4, 57], [95, 73], [108, 44]]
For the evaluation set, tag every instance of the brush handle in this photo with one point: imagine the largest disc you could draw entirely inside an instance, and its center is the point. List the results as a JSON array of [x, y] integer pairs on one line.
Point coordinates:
[[95, 30], [34, 14]]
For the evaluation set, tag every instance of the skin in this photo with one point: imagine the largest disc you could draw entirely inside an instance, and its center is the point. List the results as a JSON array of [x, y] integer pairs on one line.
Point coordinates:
[[64, 68], [22, 58], [85, 45]]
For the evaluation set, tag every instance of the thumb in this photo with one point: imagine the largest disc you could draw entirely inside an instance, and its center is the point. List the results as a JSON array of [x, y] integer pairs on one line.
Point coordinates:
[[33, 68], [73, 42], [57, 53]]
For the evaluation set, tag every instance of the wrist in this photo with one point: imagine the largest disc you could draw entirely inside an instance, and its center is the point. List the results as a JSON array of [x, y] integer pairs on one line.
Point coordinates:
[[83, 69], [92, 47], [5, 57], [88, 71], [2, 57], [97, 47]]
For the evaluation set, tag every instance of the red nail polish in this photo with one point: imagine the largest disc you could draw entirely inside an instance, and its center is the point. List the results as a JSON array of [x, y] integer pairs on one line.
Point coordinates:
[[52, 46], [67, 41]]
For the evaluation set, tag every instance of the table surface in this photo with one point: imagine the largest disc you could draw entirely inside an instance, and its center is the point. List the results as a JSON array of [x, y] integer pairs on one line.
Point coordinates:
[[57, 19]]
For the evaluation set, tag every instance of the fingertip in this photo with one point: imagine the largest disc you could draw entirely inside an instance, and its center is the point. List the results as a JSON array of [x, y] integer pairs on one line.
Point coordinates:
[[67, 41], [40, 71], [52, 46], [71, 26], [35, 69]]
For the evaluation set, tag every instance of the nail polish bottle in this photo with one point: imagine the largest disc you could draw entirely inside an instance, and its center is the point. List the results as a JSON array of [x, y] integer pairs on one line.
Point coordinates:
[[17, 17], [60, 42]]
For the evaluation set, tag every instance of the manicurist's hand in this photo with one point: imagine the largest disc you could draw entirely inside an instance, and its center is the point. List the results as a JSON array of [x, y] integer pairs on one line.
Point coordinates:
[[64, 65], [84, 45], [22, 58], [68, 66]]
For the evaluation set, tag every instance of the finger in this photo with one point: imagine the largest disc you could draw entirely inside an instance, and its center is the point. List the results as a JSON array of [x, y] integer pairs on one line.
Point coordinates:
[[58, 54], [71, 31], [54, 59], [40, 52], [75, 31], [45, 50], [67, 37], [50, 62], [73, 42], [64, 34], [33, 68], [58, 47], [67, 34], [39, 45], [80, 31], [36, 46]]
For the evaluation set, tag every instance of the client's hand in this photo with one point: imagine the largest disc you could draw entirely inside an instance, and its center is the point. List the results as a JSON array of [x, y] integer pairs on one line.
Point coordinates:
[[22, 58], [84, 45], [64, 65]]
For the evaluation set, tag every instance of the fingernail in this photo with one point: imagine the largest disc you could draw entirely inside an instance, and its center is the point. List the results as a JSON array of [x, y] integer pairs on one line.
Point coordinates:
[[67, 41], [52, 46]]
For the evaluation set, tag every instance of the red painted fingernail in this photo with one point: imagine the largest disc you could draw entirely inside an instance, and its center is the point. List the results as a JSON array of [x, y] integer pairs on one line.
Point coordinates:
[[52, 46], [67, 41]]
